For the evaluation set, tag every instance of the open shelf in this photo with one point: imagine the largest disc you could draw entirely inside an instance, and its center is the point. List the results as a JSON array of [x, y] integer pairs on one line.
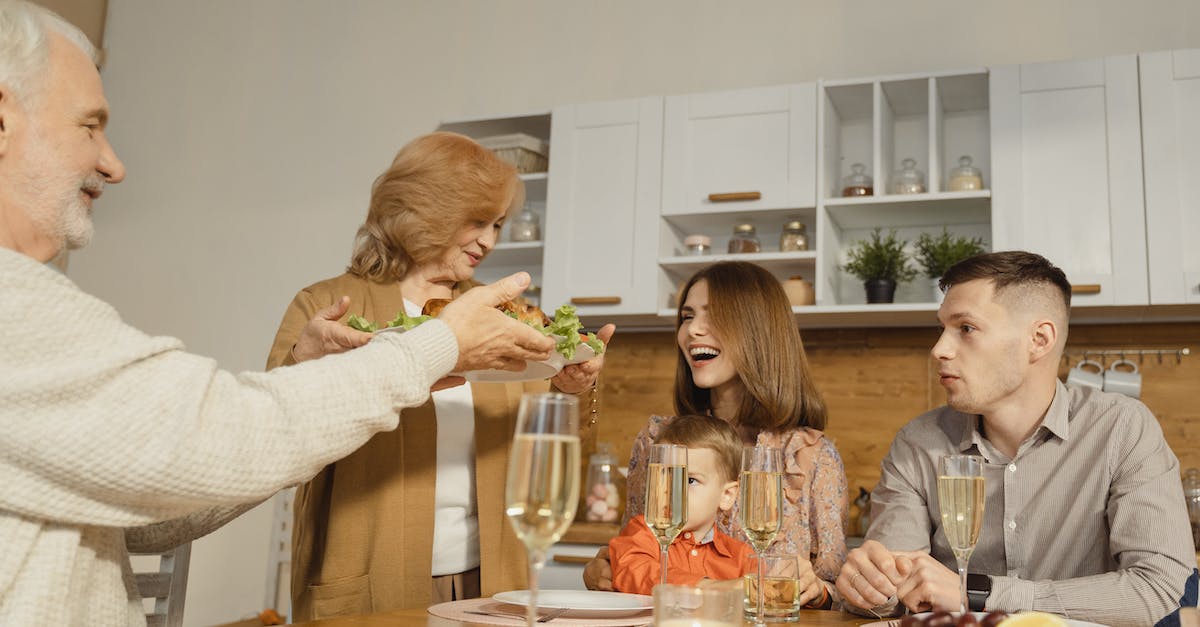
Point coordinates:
[[777, 263], [929, 209]]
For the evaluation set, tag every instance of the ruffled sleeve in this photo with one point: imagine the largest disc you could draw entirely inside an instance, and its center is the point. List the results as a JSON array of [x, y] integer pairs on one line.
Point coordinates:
[[815, 506]]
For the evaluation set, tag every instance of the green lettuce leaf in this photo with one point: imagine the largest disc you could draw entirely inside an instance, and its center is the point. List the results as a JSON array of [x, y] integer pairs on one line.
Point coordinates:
[[358, 322]]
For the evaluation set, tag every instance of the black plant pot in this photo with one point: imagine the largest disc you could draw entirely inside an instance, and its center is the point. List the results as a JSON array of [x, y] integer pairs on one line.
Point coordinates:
[[880, 290]]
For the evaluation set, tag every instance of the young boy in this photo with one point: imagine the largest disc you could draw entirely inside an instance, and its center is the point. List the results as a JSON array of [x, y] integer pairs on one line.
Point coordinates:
[[701, 551]]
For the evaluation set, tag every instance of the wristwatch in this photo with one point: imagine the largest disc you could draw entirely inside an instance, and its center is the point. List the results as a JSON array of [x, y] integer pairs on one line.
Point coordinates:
[[979, 588]]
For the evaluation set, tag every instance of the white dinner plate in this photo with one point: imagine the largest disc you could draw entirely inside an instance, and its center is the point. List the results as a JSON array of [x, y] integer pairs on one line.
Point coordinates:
[[582, 603], [895, 622], [583, 352], [534, 370]]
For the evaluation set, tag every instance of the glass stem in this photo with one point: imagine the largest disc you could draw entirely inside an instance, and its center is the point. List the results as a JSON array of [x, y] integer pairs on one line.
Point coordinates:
[[663, 579], [962, 583], [537, 559], [759, 619]]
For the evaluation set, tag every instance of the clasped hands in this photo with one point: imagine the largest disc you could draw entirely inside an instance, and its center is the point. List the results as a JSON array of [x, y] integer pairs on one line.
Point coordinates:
[[876, 579]]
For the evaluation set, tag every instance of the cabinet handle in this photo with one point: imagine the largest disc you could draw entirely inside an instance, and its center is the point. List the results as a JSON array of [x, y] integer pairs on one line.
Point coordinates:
[[732, 196], [1089, 288], [596, 300], [572, 559]]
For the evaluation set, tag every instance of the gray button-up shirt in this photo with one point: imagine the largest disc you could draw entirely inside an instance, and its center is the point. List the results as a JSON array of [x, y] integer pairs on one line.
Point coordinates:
[[1087, 520]]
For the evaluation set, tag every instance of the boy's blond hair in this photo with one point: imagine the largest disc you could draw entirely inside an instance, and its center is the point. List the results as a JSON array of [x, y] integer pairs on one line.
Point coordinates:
[[710, 433]]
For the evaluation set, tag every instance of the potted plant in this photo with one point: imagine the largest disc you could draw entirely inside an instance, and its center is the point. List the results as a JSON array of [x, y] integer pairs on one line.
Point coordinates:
[[880, 263], [937, 253]]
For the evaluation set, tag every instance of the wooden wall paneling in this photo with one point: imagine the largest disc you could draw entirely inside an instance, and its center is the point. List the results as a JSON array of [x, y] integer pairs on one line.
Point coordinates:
[[876, 380]]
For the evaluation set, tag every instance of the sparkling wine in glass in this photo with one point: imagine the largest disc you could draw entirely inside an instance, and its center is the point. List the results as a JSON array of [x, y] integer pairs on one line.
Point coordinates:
[[543, 478], [960, 498], [666, 495], [761, 503]]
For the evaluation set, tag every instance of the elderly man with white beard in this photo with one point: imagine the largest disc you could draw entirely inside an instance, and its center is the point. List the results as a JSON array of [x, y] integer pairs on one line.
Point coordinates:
[[113, 440]]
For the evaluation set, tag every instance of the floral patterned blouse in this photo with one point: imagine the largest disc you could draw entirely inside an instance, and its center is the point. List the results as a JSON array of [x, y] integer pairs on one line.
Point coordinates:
[[814, 488]]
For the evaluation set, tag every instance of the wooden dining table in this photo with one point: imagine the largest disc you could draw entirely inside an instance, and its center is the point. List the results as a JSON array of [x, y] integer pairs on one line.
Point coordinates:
[[422, 618]]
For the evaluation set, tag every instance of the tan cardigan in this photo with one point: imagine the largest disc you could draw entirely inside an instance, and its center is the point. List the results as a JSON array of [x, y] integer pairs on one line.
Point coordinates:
[[363, 532]]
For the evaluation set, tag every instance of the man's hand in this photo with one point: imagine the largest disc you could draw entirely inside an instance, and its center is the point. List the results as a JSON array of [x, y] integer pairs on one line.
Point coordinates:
[[576, 378], [597, 575], [488, 339], [871, 575], [929, 585], [324, 335]]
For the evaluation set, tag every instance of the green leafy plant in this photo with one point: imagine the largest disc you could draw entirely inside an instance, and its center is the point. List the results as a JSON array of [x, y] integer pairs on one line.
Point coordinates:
[[880, 258], [937, 253]]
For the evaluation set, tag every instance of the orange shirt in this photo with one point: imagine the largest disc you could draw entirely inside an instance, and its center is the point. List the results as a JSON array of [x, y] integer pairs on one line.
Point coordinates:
[[636, 560]]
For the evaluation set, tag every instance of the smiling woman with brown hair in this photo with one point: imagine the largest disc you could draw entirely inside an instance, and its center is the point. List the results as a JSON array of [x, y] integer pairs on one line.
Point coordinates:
[[741, 360]]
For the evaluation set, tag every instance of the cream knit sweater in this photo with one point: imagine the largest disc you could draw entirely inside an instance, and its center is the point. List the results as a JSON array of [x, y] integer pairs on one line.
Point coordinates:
[[112, 438]]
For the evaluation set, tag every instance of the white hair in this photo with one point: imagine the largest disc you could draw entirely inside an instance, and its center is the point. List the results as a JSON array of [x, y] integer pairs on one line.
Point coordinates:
[[25, 30]]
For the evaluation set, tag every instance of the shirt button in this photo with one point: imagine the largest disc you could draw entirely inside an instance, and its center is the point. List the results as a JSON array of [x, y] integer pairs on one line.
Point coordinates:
[[1012, 467], [687, 534], [695, 552], [1012, 524]]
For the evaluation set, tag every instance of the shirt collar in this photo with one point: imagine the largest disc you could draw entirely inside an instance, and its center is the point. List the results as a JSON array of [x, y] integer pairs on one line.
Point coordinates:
[[1056, 421]]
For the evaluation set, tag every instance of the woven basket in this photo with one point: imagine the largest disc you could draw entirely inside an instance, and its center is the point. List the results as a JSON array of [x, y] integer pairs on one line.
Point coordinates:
[[526, 153]]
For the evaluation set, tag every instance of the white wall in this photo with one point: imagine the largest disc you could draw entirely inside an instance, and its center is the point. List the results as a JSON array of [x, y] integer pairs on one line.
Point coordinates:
[[252, 130]]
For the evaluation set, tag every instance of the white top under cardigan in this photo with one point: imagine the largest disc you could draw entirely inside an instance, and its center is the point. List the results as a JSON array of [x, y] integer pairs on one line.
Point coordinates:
[[105, 431]]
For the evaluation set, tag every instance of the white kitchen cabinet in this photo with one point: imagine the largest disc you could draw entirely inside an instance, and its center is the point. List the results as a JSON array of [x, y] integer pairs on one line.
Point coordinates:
[[1067, 168], [603, 207], [759, 143], [509, 256], [1170, 84]]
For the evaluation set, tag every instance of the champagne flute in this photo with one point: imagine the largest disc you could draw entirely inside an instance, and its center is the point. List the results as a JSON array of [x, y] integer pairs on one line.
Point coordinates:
[[761, 504], [960, 499], [543, 478], [666, 495]]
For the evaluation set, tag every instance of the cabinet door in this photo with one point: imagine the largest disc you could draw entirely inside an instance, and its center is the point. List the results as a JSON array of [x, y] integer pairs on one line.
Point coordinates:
[[1067, 170], [602, 207], [754, 140], [1171, 139]]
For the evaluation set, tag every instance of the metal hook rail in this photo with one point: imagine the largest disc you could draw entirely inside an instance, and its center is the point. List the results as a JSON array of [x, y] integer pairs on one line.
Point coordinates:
[[1124, 353]]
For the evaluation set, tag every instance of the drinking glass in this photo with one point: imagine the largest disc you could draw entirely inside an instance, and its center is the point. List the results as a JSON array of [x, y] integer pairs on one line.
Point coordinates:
[[711, 604], [781, 587], [761, 503], [543, 478], [960, 498], [666, 495]]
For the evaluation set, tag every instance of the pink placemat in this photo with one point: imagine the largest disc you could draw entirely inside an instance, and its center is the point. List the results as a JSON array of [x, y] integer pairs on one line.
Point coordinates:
[[457, 610]]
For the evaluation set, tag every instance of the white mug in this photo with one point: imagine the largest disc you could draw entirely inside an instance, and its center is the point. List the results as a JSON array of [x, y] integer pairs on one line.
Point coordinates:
[[1127, 382], [1082, 375]]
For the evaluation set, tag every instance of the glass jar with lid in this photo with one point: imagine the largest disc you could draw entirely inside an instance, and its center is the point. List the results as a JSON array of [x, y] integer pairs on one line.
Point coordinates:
[[908, 179], [793, 238], [744, 240], [1191, 494], [965, 177], [697, 245], [525, 227], [858, 183], [602, 494]]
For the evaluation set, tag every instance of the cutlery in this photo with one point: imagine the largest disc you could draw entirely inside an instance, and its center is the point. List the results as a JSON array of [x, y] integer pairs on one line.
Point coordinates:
[[544, 618]]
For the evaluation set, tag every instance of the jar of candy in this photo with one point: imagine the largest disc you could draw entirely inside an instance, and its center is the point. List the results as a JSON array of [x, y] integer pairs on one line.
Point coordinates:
[[908, 179], [965, 177], [697, 245], [858, 183], [793, 238], [602, 499], [744, 240], [525, 227]]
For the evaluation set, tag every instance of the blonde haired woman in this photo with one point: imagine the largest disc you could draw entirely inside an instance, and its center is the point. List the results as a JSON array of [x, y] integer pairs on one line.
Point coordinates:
[[415, 516]]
